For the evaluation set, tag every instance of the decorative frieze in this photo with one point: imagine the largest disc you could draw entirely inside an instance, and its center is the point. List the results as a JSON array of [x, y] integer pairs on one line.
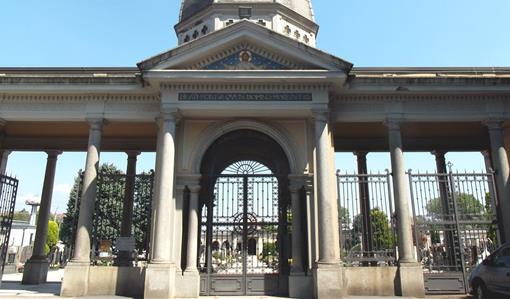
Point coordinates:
[[246, 87], [246, 97], [78, 98]]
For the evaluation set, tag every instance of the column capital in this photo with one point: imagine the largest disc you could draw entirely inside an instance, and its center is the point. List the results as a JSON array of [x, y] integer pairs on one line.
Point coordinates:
[[96, 124], [393, 123], [361, 154], [439, 153], [321, 115], [194, 188], [132, 154], [169, 114], [494, 124], [53, 153]]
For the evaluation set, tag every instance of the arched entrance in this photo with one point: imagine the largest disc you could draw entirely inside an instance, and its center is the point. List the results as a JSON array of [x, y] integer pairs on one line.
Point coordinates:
[[244, 244]]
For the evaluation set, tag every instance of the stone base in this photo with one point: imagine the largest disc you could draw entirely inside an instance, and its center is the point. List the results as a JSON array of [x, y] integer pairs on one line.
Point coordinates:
[[160, 281], [76, 280], [328, 281], [35, 271], [187, 284], [371, 281], [300, 286], [410, 280]]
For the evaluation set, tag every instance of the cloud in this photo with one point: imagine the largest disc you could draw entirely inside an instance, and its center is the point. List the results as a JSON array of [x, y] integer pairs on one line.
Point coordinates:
[[62, 188]]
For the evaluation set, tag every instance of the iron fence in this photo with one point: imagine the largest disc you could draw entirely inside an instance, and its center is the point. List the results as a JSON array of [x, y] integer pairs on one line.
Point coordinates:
[[8, 193], [366, 219], [107, 219], [455, 226]]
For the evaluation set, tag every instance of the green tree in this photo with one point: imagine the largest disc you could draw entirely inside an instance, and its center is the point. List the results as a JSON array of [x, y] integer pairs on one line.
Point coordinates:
[[382, 235], [469, 208], [52, 238], [343, 215], [107, 218], [22, 215], [70, 217]]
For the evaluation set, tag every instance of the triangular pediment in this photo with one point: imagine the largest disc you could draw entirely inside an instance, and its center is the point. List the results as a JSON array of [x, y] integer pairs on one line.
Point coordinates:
[[245, 46]]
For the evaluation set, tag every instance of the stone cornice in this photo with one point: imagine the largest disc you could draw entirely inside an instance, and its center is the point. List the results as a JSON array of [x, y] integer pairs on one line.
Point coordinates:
[[97, 79], [414, 81], [417, 98], [78, 98], [240, 87]]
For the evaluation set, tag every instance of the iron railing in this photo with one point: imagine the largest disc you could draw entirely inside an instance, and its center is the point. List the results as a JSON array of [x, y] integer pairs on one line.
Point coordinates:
[[455, 224], [8, 193], [107, 219], [366, 219]]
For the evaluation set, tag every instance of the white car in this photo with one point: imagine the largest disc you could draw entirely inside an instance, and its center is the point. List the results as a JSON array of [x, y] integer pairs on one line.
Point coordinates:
[[492, 276]]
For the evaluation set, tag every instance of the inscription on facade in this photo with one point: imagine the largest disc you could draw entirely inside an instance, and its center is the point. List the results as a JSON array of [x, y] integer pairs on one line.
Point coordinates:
[[246, 97]]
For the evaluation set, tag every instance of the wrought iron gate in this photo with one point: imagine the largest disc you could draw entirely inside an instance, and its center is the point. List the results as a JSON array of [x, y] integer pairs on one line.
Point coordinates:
[[242, 233], [8, 193], [455, 226], [366, 219]]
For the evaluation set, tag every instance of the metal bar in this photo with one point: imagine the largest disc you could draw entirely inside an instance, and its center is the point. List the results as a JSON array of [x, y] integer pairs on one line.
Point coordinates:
[[461, 245]]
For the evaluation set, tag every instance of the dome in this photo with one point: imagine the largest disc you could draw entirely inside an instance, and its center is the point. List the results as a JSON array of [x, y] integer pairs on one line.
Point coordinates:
[[192, 7]]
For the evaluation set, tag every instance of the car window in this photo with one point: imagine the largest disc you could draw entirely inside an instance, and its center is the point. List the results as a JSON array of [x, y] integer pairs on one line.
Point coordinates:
[[503, 258]]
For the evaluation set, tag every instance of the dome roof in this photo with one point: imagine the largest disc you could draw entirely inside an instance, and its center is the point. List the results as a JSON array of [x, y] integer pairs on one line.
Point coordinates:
[[192, 7]]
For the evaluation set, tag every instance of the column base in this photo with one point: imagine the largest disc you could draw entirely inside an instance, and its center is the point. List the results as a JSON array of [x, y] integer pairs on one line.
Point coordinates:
[[328, 281], [300, 285], [76, 280], [410, 280], [160, 281], [35, 270], [189, 284]]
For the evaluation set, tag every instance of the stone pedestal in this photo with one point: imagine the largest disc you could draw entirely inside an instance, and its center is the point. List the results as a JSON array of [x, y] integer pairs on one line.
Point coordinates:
[[35, 271], [300, 286], [76, 278], [410, 276], [187, 284], [159, 281], [328, 281]]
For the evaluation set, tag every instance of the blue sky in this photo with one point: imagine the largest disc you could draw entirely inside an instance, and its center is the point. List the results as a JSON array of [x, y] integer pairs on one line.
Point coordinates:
[[84, 33]]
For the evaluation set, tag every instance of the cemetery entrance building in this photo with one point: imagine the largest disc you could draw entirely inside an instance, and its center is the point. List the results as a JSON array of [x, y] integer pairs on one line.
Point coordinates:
[[244, 117]]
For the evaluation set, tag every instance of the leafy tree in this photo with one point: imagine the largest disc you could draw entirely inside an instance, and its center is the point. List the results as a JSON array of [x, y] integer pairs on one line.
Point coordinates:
[[469, 208], [52, 238], [343, 215], [22, 215], [107, 218], [70, 217], [382, 234]]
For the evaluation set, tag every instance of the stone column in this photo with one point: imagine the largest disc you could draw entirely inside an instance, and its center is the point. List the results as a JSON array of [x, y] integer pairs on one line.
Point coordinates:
[[191, 277], [193, 226], [4, 154], [300, 284], [125, 257], [410, 272], [160, 273], [4, 158], [36, 268], [365, 207], [297, 228], [501, 168], [178, 226], [327, 271], [76, 275]]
